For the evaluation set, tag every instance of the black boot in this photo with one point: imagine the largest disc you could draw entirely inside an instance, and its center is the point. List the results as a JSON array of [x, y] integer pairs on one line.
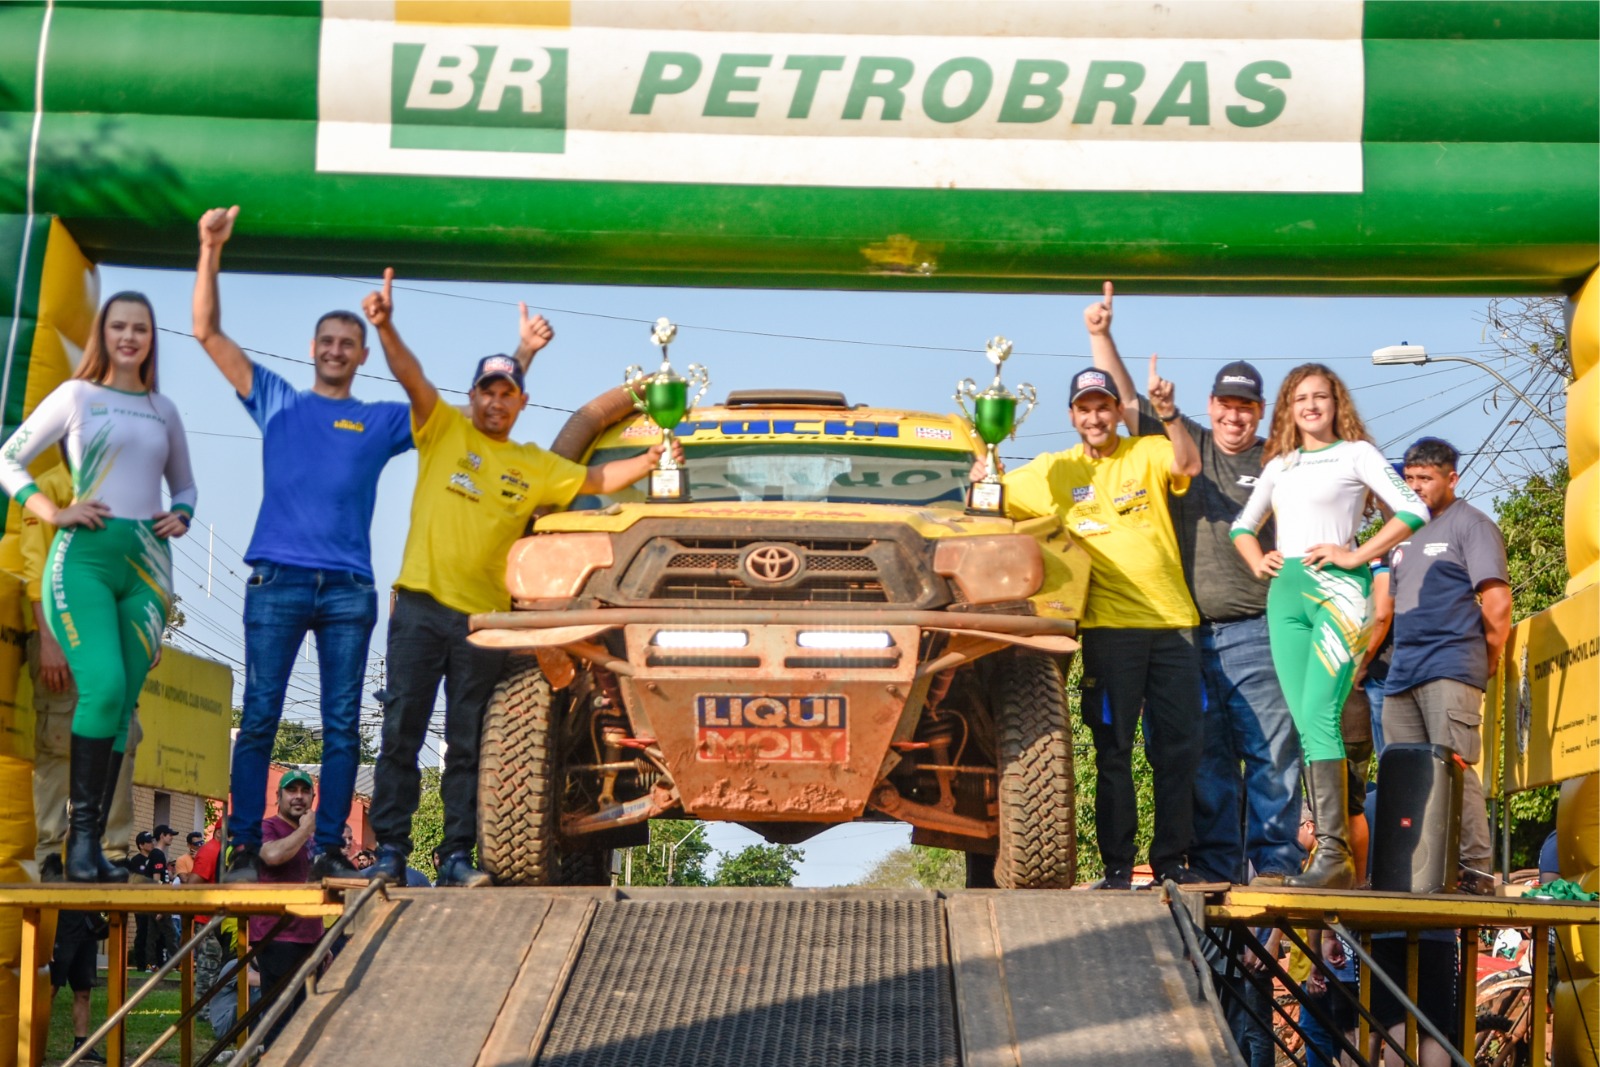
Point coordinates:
[[110, 872], [88, 761], [1332, 867]]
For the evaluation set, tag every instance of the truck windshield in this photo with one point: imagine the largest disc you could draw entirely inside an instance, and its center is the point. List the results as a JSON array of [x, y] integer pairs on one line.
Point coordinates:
[[839, 474]]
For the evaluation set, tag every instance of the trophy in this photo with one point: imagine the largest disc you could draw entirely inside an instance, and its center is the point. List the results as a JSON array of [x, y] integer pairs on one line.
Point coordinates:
[[665, 400], [993, 418]]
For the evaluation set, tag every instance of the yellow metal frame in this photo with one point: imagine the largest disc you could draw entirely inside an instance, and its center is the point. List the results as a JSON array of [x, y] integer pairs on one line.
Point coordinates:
[[35, 901], [1364, 912]]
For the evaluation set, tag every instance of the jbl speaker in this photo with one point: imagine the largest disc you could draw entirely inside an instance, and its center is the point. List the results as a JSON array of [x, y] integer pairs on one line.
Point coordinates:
[[1416, 844]]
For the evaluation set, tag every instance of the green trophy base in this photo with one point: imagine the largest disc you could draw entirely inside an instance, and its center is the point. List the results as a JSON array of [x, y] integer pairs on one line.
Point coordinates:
[[986, 498], [667, 486]]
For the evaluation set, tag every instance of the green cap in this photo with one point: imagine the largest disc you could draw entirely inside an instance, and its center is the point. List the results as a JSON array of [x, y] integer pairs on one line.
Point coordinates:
[[296, 775]]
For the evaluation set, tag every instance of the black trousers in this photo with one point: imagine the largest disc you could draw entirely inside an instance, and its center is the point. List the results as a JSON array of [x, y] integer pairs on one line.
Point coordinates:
[[428, 644], [1156, 672], [277, 959]]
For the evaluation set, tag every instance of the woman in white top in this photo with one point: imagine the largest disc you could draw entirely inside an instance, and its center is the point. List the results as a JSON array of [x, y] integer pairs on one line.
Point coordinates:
[[110, 569], [1321, 470]]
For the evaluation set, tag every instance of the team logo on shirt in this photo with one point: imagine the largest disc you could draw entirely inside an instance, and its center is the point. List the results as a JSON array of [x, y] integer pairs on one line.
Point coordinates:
[[1435, 548], [350, 424], [513, 478], [1089, 528], [1247, 480], [472, 461], [463, 485], [97, 409], [1082, 494]]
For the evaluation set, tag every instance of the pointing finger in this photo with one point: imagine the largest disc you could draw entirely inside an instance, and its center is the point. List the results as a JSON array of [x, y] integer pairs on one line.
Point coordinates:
[[1107, 289], [1155, 375], [388, 284]]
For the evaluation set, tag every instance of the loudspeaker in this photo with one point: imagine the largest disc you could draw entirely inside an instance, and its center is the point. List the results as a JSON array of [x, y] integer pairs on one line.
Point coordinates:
[[1416, 844]]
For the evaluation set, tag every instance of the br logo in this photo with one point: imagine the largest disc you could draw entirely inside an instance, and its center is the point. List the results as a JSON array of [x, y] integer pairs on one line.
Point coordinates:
[[479, 98]]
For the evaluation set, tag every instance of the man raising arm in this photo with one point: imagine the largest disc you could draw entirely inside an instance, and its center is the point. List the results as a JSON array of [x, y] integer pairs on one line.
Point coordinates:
[[476, 492]]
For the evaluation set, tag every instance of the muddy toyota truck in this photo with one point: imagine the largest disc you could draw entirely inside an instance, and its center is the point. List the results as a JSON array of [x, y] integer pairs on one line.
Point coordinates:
[[820, 634]]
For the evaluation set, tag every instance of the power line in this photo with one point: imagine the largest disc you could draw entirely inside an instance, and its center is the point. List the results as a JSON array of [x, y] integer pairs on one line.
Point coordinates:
[[359, 373]]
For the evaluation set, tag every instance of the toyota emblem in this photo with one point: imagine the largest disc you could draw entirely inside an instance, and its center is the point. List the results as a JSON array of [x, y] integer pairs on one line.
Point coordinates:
[[772, 564]]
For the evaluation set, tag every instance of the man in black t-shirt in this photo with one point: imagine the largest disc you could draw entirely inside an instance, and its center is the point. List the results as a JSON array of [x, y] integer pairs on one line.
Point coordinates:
[[1250, 818]]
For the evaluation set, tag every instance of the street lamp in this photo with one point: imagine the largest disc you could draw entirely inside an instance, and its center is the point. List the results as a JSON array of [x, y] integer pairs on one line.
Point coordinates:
[[1402, 355]]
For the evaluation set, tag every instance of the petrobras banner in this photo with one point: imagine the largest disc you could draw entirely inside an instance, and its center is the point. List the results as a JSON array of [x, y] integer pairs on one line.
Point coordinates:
[[1187, 95]]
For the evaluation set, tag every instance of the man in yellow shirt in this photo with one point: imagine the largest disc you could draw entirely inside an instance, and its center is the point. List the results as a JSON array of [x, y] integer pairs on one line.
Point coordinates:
[[1138, 624], [476, 492]]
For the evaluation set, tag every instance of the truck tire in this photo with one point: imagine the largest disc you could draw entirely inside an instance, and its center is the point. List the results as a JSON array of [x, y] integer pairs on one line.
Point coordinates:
[[1038, 846], [520, 785]]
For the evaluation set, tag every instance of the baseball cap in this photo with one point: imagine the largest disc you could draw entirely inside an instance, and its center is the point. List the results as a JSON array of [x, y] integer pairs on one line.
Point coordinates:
[[144, 837], [1238, 379], [295, 776], [1092, 381], [164, 831], [490, 367]]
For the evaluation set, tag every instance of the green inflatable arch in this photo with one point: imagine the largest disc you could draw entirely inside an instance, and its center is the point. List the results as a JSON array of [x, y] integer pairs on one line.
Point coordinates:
[[1322, 146]]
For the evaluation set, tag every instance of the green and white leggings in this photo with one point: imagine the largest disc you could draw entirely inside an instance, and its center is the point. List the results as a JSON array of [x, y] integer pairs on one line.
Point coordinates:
[[1317, 620], [107, 605]]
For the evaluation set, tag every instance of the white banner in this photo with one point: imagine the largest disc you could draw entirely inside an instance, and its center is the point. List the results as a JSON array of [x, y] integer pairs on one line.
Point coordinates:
[[840, 108]]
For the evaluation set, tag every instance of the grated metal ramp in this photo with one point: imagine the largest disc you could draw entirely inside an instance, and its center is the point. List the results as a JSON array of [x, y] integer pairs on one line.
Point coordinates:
[[769, 977], [762, 980]]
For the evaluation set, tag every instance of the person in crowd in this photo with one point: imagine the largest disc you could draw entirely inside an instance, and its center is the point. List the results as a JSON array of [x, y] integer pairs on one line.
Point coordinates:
[[475, 495], [140, 873], [1438, 991], [1549, 859], [1139, 654], [1373, 673], [1321, 469], [110, 565], [286, 856], [364, 859], [1452, 617], [311, 552], [1245, 718], [163, 936], [73, 964]]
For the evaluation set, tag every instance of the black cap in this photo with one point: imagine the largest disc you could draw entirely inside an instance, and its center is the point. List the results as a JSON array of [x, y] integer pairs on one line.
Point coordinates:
[[164, 831], [1092, 381], [490, 367], [144, 837], [1239, 379]]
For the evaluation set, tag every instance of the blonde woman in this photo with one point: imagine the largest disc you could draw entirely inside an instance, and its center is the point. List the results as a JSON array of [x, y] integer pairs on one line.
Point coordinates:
[[1321, 467], [110, 570]]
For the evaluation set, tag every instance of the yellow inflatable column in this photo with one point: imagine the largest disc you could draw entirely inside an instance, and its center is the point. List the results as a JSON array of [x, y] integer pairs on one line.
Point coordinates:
[[59, 290], [1577, 993]]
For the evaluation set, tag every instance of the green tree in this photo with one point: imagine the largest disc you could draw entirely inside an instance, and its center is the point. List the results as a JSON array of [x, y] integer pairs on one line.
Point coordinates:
[[917, 867], [427, 825], [298, 743], [1536, 548], [760, 865], [676, 855]]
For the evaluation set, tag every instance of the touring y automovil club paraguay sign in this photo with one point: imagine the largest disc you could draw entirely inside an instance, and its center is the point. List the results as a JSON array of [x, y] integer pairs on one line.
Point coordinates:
[[1095, 96]]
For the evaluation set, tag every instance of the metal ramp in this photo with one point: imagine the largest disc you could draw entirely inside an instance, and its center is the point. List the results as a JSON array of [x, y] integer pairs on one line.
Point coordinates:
[[737, 978]]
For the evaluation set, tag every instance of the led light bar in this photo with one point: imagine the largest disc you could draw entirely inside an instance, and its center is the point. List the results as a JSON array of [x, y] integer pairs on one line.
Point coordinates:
[[702, 639], [843, 639]]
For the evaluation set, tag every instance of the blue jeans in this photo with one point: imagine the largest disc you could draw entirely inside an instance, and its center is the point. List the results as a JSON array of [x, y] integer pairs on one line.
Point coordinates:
[[1253, 814], [281, 605], [1375, 692]]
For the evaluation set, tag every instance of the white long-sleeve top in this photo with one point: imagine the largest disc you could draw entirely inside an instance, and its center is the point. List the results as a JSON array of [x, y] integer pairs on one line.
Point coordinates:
[[1319, 497], [120, 447]]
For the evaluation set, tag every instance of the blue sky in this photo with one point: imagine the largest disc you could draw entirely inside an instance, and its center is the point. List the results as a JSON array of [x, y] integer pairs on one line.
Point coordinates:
[[902, 350]]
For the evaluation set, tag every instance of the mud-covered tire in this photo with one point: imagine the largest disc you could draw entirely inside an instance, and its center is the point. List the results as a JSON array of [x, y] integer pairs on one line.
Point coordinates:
[[519, 788], [1038, 847]]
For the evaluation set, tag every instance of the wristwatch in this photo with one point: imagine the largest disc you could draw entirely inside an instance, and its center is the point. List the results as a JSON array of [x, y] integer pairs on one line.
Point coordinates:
[[1174, 417]]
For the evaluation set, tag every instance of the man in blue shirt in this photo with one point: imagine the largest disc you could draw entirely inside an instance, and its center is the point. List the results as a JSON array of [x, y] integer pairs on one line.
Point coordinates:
[[1452, 617], [322, 451]]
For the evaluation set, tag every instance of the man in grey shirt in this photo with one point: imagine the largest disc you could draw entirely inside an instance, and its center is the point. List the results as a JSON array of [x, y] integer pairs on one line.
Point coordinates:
[[1452, 616], [1247, 790]]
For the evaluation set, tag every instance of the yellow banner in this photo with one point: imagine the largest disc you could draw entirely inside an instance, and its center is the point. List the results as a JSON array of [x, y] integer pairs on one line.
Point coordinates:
[[1548, 695], [186, 711]]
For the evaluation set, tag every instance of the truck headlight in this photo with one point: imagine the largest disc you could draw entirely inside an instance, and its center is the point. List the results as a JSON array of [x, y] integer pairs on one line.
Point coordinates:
[[554, 566], [991, 569]]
